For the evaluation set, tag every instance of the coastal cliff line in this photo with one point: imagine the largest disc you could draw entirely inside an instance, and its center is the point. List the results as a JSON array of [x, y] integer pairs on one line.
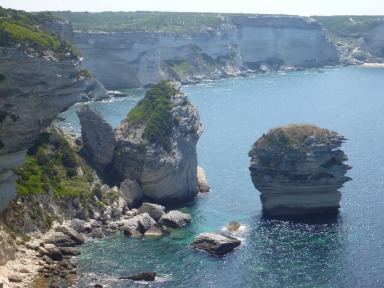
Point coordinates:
[[236, 45]]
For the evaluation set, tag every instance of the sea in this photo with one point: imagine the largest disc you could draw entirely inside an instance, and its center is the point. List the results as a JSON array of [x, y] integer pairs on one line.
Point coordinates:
[[346, 250]]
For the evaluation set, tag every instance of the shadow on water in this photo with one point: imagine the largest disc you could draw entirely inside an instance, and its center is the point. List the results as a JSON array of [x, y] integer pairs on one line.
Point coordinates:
[[331, 218]]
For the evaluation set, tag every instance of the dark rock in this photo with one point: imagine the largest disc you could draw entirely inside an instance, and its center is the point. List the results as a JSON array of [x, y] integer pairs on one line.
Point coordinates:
[[154, 210], [98, 286], [52, 251], [71, 251], [215, 243], [298, 170], [145, 276], [175, 219]]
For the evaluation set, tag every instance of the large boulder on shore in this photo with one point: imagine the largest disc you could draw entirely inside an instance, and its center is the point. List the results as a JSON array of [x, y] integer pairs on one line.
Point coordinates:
[[298, 169], [141, 224], [156, 145], [215, 243]]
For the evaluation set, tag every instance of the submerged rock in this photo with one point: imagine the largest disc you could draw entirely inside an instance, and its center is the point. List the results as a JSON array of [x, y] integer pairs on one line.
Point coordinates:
[[144, 276], [214, 243], [298, 170]]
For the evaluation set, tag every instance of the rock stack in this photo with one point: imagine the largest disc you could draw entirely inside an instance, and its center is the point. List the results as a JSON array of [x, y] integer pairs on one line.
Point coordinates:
[[298, 169]]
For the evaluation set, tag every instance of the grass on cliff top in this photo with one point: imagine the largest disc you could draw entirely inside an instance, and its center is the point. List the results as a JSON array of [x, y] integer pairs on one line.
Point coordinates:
[[348, 25], [141, 21], [25, 28], [293, 135], [51, 165], [154, 111]]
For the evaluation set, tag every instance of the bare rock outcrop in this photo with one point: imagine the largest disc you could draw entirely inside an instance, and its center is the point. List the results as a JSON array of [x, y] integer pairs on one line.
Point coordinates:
[[202, 182], [98, 137], [298, 170], [131, 192]]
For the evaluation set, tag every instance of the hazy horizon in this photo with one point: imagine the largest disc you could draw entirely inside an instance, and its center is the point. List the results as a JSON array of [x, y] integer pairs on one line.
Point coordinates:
[[293, 7]]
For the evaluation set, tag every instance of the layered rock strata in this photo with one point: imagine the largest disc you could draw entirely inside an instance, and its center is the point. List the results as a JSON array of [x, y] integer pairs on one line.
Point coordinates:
[[298, 170], [133, 59], [33, 92]]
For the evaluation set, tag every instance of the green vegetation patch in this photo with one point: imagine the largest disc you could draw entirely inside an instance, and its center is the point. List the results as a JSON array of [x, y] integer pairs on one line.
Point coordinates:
[[154, 111], [51, 165], [141, 21], [25, 28], [294, 135]]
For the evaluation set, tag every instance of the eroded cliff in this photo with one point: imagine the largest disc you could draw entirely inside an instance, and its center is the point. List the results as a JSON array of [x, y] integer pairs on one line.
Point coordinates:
[[298, 170], [137, 58]]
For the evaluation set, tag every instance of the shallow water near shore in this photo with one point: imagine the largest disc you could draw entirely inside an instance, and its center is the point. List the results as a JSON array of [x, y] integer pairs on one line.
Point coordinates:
[[346, 250]]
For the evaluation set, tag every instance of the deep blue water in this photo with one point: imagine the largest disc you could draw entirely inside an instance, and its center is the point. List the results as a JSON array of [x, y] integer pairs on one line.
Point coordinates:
[[344, 251]]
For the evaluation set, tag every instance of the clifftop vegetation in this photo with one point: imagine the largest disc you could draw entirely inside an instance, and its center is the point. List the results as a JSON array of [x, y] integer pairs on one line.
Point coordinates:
[[141, 21], [20, 27], [154, 111], [294, 135]]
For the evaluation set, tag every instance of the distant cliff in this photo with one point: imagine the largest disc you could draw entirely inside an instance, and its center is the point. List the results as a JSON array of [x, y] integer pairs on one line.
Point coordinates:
[[222, 46]]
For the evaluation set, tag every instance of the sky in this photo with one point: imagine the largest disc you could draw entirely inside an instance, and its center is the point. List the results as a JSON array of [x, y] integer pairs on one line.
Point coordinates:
[[291, 7]]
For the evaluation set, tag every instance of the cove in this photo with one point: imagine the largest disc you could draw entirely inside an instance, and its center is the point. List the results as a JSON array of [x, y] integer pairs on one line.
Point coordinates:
[[343, 251]]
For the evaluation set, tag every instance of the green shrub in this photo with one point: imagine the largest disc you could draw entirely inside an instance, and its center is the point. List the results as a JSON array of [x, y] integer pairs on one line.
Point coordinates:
[[154, 111]]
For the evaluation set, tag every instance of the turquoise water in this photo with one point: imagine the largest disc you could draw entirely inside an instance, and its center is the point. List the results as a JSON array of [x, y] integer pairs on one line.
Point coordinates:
[[343, 251]]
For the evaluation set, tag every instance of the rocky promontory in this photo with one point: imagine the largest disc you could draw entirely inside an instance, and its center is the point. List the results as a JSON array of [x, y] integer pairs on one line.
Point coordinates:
[[298, 170]]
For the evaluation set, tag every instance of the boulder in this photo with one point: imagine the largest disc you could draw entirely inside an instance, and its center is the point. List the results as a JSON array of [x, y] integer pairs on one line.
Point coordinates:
[[233, 226], [175, 219], [139, 225], [75, 236], [78, 225], [59, 239], [51, 251], [202, 183], [298, 170], [215, 243], [154, 210], [130, 191], [98, 233], [144, 276]]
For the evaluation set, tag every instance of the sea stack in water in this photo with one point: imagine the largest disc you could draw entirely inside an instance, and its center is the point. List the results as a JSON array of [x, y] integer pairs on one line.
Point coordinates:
[[298, 169]]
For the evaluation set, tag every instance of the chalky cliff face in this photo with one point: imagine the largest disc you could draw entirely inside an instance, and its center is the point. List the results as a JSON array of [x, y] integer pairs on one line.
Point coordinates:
[[166, 176], [34, 91], [298, 176], [134, 59]]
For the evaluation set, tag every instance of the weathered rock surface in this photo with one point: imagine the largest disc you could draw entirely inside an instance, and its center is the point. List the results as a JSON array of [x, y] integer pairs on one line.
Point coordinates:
[[139, 225], [98, 137], [153, 210], [215, 243], [131, 192], [298, 170], [166, 176], [233, 226], [133, 59], [175, 219], [202, 183], [34, 91]]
